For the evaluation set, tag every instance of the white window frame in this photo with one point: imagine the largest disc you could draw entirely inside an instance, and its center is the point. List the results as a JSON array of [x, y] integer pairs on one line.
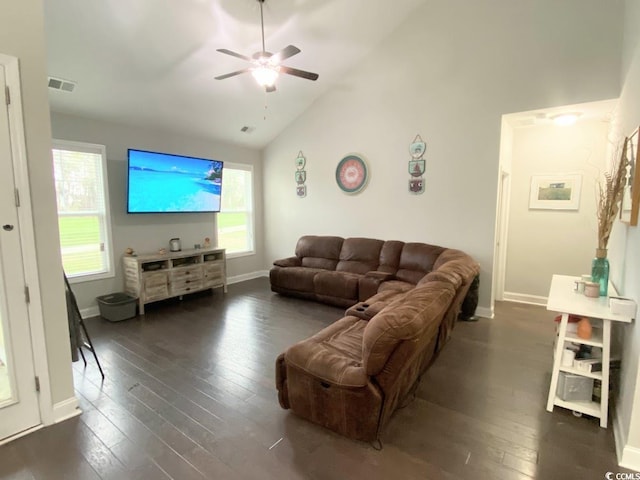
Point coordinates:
[[106, 224], [252, 222]]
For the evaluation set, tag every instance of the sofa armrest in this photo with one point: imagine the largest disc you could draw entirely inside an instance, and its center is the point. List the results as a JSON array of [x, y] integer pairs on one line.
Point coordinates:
[[288, 262], [328, 367], [368, 284], [320, 357], [366, 311], [381, 276]]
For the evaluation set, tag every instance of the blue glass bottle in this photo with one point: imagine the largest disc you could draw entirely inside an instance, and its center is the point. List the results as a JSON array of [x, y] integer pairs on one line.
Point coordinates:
[[600, 270]]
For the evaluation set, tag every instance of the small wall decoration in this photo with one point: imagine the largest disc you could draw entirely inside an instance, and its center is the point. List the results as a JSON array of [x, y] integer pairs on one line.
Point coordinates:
[[352, 174], [555, 192], [417, 166], [416, 185], [300, 161], [301, 175]]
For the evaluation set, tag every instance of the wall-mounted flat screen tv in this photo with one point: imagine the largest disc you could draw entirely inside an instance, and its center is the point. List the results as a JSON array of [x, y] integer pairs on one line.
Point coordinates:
[[166, 183]]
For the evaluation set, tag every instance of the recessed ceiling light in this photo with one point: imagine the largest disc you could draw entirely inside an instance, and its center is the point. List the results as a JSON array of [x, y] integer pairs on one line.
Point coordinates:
[[566, 119]]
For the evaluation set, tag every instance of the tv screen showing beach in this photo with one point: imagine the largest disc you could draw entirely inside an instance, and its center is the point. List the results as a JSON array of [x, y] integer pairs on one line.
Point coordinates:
[[165, 183]]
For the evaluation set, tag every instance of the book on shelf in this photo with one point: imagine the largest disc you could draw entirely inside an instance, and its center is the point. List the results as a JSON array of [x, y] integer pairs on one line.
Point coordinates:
[[593, 365]]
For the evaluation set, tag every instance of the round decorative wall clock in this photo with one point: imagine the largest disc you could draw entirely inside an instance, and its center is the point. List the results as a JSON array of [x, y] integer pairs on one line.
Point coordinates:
[[351, 174]]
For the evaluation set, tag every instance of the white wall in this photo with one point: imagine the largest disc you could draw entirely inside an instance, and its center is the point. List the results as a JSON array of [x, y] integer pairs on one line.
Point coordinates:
[[22, 36], [148, 233], [624, 250], [544, 242], [448, 73]]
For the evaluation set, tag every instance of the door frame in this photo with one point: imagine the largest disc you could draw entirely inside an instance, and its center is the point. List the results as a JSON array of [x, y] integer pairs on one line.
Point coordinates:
[[27, 240], [503, 202]]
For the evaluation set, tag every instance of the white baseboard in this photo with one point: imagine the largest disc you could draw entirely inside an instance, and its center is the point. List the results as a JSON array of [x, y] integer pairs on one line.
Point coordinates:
[[247, 276], [484, 312], [619, 435], [89, 312], [628, 457], [524, 298], [66, 409], [21, 434]]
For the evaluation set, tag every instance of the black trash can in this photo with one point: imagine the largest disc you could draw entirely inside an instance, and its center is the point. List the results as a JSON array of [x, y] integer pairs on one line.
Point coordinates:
[[117, 306]]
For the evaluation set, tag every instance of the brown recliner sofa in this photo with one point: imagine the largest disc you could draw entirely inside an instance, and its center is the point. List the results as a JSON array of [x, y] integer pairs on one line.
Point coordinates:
[[403, 301]]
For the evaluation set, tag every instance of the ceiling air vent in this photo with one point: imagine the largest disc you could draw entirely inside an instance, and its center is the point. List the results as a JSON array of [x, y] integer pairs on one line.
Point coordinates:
[[62, 84]]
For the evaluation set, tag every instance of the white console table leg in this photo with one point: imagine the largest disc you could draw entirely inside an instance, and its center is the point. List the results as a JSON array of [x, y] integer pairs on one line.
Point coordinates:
[[606, 359], [557, 359]]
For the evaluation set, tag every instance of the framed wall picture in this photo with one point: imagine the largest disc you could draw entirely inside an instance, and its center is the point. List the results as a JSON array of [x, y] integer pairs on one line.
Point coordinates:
[[631, 194], [555, 192]]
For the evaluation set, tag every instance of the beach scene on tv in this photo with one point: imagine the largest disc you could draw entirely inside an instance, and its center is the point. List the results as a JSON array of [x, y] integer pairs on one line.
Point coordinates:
[[160, 182]]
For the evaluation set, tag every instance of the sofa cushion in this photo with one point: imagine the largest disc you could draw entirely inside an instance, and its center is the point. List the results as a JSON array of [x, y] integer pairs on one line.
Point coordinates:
[[404, 319], [334, 354], [294, 278], [442, 276], [319, 251], [395, 286], [416, 260], [467, 270], [336, 284], [452, 254], [390, 256], [359, 255]]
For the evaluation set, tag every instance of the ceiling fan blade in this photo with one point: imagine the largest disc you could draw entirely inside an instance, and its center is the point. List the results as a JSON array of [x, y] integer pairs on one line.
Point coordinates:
[[299, 73], [233, 74], [286, 52], [234, 54], [268, 89]]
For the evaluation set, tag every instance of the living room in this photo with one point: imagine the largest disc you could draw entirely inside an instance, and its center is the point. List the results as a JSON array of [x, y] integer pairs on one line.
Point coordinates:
[[461, 68]]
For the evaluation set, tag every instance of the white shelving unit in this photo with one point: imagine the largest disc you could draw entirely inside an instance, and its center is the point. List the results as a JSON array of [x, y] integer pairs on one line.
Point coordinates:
[[155, 277], [563, 299]]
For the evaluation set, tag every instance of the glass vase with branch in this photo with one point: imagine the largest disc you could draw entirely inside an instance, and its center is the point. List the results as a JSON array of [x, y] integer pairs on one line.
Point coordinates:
[[609, 197]]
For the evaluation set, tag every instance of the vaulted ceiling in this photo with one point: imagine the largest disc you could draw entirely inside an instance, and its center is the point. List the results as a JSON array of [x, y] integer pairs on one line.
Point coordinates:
[[152, 63]]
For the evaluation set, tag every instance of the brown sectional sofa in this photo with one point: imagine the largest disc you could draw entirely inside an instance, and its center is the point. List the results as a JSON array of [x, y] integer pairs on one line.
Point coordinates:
[[403, 299]]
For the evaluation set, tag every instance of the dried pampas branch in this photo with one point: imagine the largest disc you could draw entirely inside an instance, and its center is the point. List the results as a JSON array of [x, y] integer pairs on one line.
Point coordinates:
[[609, 198]]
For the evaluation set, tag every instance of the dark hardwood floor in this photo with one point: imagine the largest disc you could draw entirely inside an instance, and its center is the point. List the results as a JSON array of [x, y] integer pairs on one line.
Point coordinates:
[[189, 394]]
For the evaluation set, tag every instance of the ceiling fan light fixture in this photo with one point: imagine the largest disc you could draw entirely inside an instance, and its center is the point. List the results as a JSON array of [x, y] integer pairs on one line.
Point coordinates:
[[265, 76], [266, 66], [566, 119]]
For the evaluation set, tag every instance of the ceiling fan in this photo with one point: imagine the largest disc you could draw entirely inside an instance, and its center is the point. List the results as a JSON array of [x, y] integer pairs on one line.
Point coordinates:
[[266, 66]]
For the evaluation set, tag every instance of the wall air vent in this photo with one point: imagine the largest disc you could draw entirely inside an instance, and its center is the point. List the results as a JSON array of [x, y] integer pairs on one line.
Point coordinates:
[[62, 84]]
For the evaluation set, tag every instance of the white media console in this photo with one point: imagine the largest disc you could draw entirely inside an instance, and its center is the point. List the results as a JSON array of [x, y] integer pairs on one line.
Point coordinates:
[[154, 277]]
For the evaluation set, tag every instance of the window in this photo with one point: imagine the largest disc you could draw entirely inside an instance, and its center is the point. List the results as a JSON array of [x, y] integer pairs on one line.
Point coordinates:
[[80, 172], [235, 221]]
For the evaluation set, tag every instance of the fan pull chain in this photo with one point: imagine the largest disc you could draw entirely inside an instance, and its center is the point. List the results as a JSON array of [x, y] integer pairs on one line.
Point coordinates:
[[265, 106]]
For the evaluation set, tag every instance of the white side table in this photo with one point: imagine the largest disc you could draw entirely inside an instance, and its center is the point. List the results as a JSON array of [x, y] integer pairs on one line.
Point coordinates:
[[563, 299]]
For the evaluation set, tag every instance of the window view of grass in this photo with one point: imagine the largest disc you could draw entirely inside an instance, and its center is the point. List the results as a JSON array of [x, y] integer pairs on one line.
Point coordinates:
[[232, 231], [235, 231], [554, 193], [82, 211], [80, 245]]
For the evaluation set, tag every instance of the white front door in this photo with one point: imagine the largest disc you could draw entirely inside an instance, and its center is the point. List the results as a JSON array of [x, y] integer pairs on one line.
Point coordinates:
[[19, 409]]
